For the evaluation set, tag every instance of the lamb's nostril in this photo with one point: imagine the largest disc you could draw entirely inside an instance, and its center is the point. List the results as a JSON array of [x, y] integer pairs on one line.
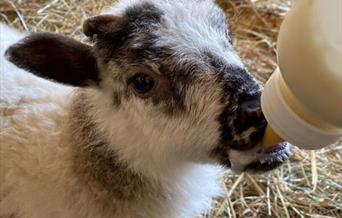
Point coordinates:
[[251, 109], [250, 113]]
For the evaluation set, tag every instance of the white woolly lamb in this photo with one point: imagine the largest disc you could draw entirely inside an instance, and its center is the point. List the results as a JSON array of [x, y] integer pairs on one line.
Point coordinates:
[[140, 121]]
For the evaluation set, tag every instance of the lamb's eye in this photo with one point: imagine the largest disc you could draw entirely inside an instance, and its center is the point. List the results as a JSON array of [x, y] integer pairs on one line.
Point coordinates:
[[142, 83]]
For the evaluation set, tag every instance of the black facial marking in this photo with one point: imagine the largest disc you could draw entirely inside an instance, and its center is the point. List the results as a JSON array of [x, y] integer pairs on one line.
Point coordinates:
[[171, 98], [143, 15], [133, 39], [241, 99]]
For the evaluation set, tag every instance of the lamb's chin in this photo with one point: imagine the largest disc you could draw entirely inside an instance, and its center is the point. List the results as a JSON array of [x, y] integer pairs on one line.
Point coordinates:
[[271, 158]]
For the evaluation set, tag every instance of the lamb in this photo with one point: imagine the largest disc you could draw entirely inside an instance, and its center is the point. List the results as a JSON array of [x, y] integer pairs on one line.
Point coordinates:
[[140, 123]]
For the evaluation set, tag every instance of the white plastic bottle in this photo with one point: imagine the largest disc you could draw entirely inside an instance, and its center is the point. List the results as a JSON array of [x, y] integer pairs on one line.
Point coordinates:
[[302, 100]]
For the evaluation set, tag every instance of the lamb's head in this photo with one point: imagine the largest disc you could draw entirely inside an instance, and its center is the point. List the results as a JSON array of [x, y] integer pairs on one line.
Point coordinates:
[[166, 85]]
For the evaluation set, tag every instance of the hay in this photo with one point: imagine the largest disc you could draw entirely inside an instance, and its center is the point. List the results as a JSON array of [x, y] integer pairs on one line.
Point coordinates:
[[309, 185]]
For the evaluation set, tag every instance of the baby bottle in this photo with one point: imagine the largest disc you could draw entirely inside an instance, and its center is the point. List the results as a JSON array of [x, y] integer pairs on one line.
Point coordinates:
[[302, 100]]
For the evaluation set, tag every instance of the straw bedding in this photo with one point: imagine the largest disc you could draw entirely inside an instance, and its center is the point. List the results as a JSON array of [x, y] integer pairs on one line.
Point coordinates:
[[309, 185]]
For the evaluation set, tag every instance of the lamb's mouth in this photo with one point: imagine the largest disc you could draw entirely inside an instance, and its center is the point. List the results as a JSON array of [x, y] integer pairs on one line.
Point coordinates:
[[257, 159], [271, 158]]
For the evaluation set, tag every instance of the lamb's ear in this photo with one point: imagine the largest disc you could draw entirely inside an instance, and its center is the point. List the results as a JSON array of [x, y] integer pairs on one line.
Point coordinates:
[[55, 57], [101, 24]]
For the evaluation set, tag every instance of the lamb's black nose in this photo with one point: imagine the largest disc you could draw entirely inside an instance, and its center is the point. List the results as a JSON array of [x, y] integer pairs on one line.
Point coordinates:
[[249, 113]]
